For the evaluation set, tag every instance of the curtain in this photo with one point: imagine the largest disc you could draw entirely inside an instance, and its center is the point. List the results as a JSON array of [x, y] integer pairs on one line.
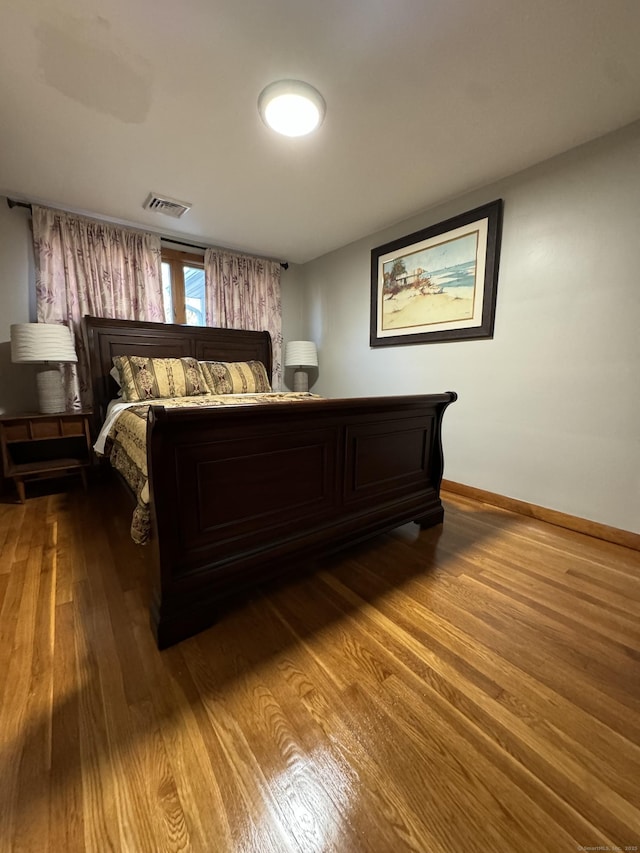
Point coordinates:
[[242, 292], [88, 267]]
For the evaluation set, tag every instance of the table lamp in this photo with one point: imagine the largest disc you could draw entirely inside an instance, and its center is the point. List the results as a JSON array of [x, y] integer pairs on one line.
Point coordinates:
[[300, 355], [48, 344]]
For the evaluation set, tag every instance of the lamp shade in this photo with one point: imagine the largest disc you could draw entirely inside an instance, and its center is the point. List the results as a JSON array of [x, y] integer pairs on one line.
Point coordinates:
[[33, 342], [300, 354]]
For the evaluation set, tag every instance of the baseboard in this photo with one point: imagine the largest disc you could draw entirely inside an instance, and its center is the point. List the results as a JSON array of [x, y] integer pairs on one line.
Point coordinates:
[[560, 519]]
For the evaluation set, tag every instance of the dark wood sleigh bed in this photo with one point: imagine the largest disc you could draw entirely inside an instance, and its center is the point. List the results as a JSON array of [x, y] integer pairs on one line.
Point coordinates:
[[240, 495]]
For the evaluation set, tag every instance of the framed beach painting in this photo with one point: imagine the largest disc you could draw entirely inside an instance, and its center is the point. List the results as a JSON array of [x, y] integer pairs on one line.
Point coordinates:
[[440, 283]]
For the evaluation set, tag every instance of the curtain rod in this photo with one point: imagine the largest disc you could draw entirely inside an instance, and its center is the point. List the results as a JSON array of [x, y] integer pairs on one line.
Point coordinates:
[[13, 203]]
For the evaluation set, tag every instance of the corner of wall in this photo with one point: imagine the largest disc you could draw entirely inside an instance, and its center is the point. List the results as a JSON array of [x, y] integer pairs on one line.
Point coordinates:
[[17, 305]]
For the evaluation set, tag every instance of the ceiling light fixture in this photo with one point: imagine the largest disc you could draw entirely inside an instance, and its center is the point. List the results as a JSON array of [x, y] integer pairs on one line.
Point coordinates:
[[291, 107]]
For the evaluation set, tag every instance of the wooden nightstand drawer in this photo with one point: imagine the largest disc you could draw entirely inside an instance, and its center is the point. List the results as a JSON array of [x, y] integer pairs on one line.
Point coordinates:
[[17, 430], [45, 427], [74, 425]]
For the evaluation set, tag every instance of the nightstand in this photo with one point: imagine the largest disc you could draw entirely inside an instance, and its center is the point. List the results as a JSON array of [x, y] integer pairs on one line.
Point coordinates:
[[36, 446]]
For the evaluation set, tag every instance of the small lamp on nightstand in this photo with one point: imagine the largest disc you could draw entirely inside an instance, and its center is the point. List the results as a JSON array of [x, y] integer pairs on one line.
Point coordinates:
[[48, 344], [300, 355]]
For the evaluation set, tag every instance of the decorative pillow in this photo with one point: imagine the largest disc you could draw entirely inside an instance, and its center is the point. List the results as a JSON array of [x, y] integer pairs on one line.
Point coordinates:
[[144, 378], [236, 377]]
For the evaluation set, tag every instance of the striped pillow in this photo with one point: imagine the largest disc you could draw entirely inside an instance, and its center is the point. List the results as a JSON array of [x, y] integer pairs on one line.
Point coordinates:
[[144, 378], [236, 377]]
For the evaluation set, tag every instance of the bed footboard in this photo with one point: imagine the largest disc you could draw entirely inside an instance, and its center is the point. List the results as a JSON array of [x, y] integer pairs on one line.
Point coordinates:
[[239, 496]]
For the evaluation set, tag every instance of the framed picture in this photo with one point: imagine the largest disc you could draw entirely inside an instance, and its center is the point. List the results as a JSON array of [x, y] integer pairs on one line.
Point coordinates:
[[438, 284]]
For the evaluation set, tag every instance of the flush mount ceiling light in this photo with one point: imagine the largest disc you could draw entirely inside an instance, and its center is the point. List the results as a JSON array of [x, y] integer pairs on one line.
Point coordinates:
[[291, 107]]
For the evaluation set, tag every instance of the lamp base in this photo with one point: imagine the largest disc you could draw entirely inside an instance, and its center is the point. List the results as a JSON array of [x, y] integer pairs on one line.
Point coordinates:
[[50, 391], [300, 380]]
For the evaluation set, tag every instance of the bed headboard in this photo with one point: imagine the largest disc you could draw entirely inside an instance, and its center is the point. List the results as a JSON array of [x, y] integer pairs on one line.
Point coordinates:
[[107, 338]]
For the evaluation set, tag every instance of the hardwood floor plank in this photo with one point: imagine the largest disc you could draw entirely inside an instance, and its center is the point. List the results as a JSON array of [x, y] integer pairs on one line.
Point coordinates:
[[14, 720], [99, 562], [526, 810], [38, 511], [4, 584], [135, 828], [474, 686], [67, 553], [228, 749], [181, 719], [14, 520], [77, 511], [535, 703], [166, 810], [530, 641], [458, 777], [9, 614], [623, 632], [25, 535], [340, 653], [99, 773], [33, 786], [372, 789], [526, 742], [445, 692], [524, 534], [6, 526], [588, 591], [553, 638], [67, 818], [306, 778]]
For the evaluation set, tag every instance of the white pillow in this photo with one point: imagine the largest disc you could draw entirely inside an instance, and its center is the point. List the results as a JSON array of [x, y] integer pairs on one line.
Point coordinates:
[[115, 373]]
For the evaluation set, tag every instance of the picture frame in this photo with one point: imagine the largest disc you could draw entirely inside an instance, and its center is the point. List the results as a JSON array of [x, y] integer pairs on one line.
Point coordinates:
[[438, 284]]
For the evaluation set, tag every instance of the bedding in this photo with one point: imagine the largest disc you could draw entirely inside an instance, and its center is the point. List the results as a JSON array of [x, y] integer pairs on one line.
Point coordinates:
[[236, 377], [144, 378], [123, 439]]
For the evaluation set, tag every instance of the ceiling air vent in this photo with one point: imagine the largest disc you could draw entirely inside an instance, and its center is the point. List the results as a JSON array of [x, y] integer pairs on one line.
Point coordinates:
[[166, 205]]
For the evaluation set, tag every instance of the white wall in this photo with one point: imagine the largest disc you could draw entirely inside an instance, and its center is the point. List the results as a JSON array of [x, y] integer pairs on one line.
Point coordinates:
[[549, 409], [17, 305], [294, 317], [293, 303]]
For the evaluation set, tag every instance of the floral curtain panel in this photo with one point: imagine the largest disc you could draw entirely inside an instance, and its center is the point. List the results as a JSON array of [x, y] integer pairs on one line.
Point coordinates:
[[242, 292], [89, 267]]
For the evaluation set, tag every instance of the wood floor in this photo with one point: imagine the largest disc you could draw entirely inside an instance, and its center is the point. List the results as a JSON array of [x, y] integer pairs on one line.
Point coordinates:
[[474, 687]]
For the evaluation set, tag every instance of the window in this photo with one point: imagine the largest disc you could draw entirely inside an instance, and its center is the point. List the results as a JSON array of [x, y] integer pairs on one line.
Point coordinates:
[[183, 288]]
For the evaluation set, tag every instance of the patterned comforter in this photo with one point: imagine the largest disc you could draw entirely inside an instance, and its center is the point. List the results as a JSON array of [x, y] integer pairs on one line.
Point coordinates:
[[126, 443]]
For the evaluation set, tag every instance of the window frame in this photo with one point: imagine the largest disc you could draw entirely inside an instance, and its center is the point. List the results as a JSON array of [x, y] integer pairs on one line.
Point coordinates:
[[177, 260]]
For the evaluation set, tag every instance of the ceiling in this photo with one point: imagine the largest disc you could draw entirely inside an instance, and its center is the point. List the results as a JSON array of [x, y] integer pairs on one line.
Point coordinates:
[[102, 103]]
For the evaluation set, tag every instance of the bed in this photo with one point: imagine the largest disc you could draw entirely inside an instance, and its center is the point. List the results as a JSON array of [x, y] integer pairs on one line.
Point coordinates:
[[239, 494]]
